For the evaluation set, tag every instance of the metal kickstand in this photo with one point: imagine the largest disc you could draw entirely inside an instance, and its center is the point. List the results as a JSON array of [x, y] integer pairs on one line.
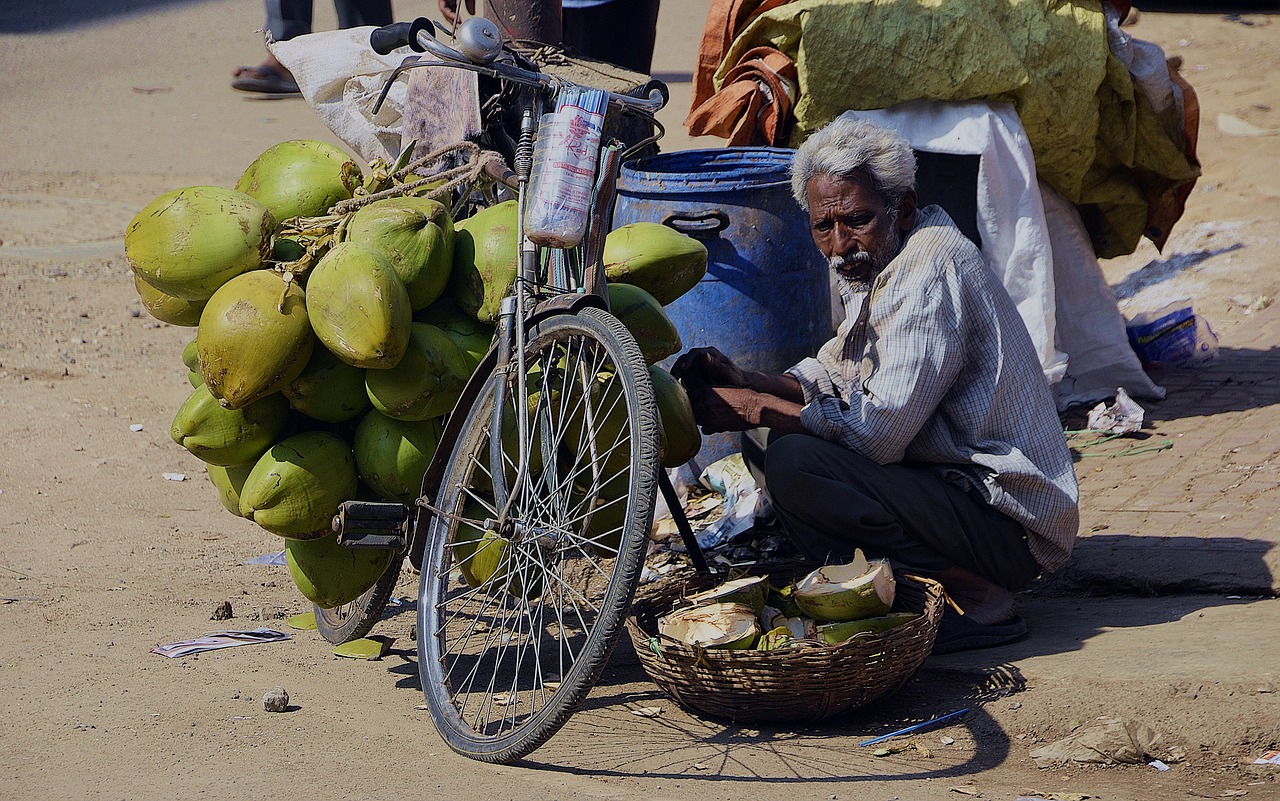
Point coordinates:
[[682, 523]]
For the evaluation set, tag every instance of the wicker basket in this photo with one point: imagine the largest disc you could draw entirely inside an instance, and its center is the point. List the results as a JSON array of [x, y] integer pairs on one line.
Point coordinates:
[[803, 683]]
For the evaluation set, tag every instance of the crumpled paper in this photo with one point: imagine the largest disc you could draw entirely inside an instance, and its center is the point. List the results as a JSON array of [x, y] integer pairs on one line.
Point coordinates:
[[1122, 417], [731, 478], [1115, 741]]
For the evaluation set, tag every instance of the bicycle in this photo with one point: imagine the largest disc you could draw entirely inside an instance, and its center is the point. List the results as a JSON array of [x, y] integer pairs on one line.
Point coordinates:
[[531, 527]]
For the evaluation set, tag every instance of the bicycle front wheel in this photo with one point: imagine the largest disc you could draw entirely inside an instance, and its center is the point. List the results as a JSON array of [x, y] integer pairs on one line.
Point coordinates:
[[538, 538]]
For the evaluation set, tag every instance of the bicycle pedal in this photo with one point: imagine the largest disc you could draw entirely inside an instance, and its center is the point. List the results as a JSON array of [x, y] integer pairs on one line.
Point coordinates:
[[372, 524]]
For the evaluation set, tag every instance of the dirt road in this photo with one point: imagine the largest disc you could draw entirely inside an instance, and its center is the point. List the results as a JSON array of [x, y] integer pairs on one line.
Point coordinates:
[[103, 558]]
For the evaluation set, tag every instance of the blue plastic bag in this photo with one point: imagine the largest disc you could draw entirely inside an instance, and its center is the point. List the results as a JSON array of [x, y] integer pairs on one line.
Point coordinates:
[[1172, 337]]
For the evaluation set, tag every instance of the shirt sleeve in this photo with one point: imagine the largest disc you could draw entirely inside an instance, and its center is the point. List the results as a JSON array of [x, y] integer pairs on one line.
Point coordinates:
[[914, 351], [815, 380]]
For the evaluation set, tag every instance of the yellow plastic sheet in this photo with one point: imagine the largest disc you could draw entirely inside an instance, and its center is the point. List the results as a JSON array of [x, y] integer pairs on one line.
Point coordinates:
[[1095, 139]]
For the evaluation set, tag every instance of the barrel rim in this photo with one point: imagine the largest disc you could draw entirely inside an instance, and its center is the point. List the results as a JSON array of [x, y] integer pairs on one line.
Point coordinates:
[[723, 169]]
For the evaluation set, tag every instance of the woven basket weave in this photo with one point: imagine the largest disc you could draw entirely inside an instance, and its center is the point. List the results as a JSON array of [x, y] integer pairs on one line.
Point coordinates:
[[799, 684]]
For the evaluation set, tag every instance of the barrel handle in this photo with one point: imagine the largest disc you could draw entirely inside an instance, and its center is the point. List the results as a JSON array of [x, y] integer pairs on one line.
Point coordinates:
[[698, 224]]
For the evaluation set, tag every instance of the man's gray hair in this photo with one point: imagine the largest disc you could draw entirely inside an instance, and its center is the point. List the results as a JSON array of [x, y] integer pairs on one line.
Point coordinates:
[[848, 147]]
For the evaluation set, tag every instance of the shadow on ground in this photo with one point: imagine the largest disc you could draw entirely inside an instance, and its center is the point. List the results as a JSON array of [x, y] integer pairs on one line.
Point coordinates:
[[47, 16], [1239, 379], [1154, 565], [607, 738]]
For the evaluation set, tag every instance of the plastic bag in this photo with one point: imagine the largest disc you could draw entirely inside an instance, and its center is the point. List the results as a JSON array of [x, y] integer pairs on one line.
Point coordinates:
[[1171, 337]]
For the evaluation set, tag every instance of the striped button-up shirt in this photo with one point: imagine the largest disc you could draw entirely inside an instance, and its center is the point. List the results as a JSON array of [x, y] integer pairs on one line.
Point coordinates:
[[933, 365]]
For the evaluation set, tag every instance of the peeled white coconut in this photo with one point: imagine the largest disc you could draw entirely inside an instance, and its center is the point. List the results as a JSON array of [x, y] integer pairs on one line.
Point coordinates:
[[750, 591], [722, 625], [853, 591]]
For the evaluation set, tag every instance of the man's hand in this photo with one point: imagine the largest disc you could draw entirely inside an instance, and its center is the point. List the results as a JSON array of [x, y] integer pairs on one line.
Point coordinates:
[[708, 367], [449, 10]]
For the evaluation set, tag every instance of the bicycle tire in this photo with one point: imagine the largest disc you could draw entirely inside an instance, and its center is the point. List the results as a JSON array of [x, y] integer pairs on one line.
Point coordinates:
[[353, 620], [506, 657]]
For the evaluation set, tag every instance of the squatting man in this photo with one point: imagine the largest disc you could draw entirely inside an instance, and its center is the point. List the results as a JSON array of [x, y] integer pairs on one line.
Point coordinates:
[[923, 432]]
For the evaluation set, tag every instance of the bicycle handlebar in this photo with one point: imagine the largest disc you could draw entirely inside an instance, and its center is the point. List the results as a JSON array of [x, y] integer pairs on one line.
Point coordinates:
[[420, 36]]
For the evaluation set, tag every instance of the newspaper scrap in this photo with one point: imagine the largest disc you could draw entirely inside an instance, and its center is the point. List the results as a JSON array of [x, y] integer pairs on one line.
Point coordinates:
[[1122, 417], [730, 478], [219, 639]]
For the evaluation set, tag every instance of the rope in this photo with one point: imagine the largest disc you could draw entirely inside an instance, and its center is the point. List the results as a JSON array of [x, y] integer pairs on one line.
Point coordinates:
[[470, 171]]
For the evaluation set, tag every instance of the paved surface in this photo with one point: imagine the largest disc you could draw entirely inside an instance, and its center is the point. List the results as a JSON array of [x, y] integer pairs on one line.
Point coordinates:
[[1200, 516]]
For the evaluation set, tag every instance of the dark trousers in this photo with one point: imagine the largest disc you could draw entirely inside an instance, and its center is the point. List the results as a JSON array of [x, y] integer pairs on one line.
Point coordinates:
[[621, 32], [833, 500], [289, 18]]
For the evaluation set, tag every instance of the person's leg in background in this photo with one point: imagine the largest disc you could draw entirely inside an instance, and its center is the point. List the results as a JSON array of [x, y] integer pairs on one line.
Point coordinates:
[[357, 13], [620, 32], [289, 18]]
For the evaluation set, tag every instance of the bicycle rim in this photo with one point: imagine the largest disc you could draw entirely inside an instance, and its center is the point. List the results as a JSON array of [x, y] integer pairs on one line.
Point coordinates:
[[518, 613]]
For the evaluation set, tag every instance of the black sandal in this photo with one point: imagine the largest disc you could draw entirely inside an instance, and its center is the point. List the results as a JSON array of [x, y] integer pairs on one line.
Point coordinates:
[[958, 633]]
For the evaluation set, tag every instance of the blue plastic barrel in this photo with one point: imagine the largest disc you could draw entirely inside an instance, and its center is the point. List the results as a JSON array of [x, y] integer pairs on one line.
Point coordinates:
[[765, 300]]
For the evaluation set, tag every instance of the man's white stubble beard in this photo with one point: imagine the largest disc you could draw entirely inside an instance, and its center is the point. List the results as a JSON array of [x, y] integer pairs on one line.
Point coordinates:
[[861, 268]]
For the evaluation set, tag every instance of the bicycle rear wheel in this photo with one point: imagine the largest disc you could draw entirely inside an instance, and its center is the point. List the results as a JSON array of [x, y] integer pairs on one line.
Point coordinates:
[[353, 620], [528, 574]]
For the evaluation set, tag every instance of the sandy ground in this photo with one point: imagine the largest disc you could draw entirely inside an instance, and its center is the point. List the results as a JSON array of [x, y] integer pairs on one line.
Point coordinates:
[[102, 109]]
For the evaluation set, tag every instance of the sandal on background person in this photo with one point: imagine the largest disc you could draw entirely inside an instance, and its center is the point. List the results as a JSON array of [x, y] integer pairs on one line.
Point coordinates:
[[269, 77]]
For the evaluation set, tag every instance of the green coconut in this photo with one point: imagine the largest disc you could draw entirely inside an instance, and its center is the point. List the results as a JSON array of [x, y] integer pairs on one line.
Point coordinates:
[[853, 591], [783, 599], [485, 257], [166, 308], [416, 236], [392, 455], [749, 591], [191, 358], [487, 559], [328, 574], [295, 487], [222, 436], [229, 481], [189, 242], [328, 389], [643, 316], [254, 338], [681, 439], [656, 258], [774, 639], [428, 380], [473, 336], [836, 633], [358, 307], [300, 178], [286, 250], [719, 625]]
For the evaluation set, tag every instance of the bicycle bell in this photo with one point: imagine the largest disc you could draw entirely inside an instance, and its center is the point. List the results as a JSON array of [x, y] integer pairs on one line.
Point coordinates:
[[479, 40]]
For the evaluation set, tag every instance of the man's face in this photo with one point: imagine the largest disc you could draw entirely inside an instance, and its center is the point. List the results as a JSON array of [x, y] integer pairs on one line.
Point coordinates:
[[853, 227]]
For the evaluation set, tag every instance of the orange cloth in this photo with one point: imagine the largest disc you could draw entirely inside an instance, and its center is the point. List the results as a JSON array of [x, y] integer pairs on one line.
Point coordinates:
[[743, 112]]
